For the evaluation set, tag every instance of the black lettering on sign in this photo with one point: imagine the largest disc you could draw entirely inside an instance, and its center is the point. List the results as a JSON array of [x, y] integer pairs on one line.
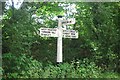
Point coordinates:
[[68, 36], [46, 31], [74, 36], [72, 33], [53, 32], [43, 29], [65, 33], [54, 29]]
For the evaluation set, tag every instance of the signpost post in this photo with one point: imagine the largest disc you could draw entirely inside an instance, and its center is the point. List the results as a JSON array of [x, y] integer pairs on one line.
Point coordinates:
[[59, 41], [59, 33]]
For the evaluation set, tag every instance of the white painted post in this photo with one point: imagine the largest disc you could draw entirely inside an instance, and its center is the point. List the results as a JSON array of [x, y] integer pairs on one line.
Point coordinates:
[[59, 41]]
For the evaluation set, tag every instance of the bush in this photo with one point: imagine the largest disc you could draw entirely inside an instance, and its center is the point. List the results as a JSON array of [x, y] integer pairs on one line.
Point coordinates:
[[20, 66], [87, 69], [110, 75], [24, 66]]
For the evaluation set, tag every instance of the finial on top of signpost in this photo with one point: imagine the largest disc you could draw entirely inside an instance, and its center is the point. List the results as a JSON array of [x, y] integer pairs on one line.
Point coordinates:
[[59, 16]]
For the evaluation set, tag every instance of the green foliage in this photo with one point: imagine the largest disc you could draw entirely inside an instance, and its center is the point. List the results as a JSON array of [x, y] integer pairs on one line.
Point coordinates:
[[109, 75], [24, 66]]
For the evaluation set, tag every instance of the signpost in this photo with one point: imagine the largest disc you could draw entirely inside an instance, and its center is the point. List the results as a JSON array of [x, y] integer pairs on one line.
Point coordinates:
[[59, 33]]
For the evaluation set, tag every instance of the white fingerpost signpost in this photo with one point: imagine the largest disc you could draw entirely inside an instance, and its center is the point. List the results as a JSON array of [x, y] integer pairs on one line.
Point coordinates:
[[59, 33]]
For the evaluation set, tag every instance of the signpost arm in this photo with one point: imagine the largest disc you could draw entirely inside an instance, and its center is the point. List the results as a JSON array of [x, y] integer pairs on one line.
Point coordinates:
[[59, 41]]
